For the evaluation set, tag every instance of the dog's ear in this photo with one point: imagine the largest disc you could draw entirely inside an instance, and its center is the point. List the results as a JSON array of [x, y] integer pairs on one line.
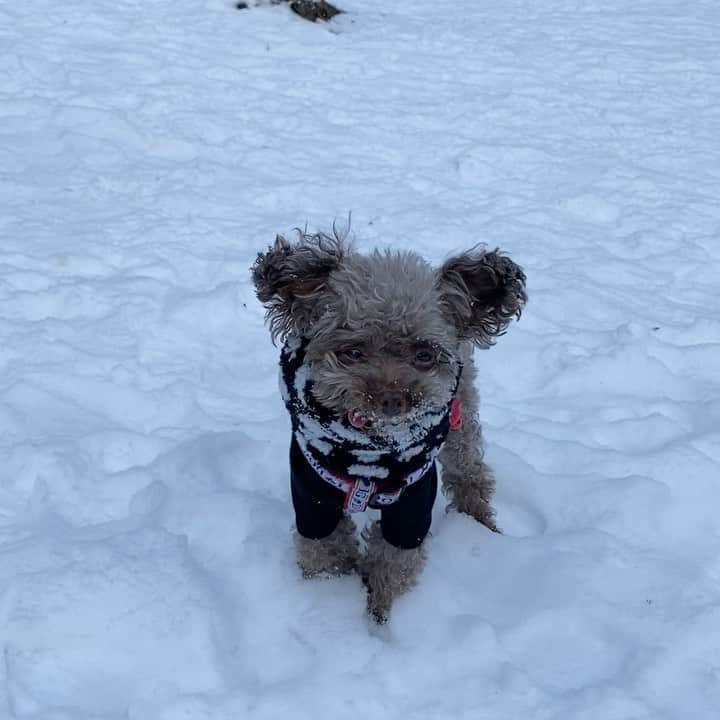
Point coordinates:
[[481, 292], [290, 277]]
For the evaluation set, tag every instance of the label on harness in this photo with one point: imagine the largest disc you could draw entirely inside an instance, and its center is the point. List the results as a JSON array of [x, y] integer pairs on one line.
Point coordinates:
[[358, 495]]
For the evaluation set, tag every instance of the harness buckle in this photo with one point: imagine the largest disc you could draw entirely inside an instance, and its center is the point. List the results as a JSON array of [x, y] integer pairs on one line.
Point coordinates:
[[456, 420]]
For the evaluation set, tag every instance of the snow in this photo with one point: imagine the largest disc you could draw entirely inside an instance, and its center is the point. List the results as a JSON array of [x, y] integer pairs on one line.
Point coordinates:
[[148, 150]]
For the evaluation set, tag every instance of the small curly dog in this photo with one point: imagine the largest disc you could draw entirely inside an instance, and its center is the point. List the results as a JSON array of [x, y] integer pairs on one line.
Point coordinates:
[[378, 377]]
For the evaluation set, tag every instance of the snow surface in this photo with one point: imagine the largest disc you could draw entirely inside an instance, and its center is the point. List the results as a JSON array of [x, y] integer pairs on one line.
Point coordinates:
[[149, 149]]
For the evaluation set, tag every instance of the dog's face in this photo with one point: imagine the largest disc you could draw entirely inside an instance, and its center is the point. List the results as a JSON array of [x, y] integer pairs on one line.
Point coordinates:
[[384, 330]]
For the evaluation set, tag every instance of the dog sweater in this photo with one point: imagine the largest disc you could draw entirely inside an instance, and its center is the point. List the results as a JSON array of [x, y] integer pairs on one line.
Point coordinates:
[[369, 470]]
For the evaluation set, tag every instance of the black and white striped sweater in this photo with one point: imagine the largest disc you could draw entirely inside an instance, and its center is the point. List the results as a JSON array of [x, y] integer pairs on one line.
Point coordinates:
[[370, 469]]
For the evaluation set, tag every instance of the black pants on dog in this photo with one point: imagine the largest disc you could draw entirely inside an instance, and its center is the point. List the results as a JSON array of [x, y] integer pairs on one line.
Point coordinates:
[[319, 506]]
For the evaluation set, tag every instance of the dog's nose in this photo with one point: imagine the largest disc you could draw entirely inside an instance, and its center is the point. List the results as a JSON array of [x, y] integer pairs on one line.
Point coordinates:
[[393, 403]]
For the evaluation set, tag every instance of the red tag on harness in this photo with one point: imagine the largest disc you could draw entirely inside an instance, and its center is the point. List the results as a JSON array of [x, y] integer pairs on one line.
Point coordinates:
[[455, 414]]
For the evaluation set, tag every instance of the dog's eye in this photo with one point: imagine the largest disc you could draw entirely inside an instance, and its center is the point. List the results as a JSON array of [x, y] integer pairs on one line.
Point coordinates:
[[424, 359], [351, 354]]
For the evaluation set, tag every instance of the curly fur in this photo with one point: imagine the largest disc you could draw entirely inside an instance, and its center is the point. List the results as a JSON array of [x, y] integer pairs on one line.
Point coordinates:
[[337, 554], [388, 571], [466, 480], [482, 291], [289, 280], [367, 319]]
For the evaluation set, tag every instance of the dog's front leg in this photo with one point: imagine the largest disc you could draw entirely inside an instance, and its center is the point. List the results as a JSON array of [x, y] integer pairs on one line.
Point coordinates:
[[387, 571], [466, 480], [336, 554]]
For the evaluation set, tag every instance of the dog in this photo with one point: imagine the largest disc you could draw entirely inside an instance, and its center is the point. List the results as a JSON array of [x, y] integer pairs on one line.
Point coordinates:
[[377, 374]]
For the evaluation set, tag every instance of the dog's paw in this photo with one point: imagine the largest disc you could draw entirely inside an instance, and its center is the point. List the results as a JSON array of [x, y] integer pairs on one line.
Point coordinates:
[[316, 559], [335, 568], [476, 508], [337, 554], [377, 610], [470, 493]]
